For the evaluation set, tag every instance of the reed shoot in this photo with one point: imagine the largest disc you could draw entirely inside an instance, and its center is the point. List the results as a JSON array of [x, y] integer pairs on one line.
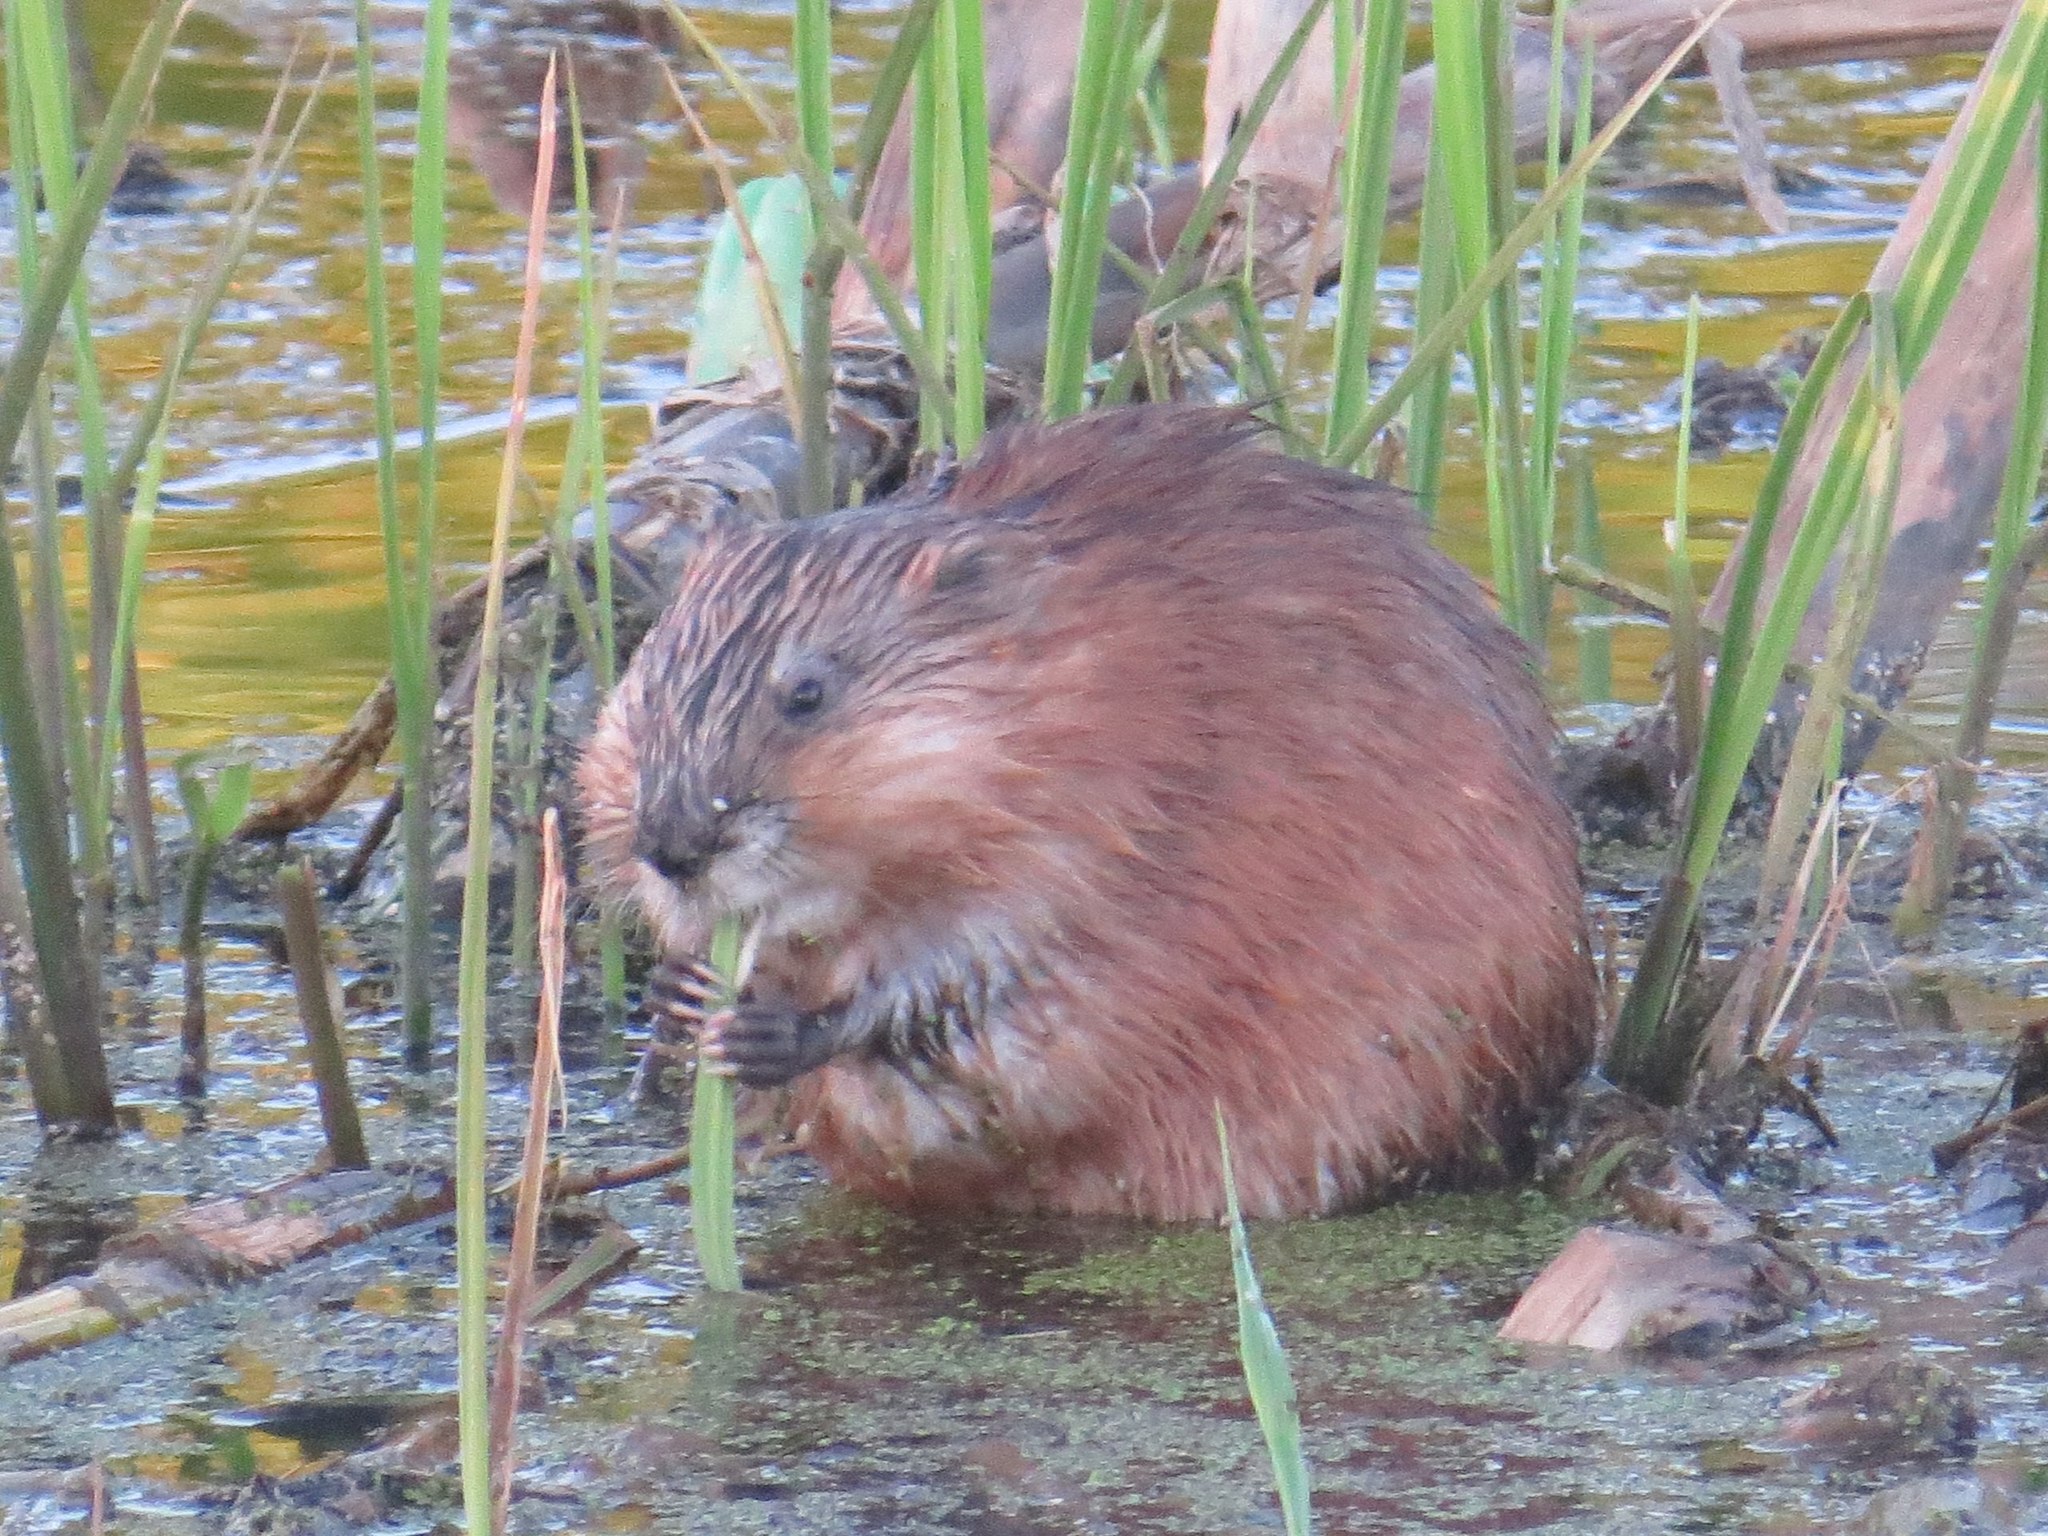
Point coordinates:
[[712, 1130]]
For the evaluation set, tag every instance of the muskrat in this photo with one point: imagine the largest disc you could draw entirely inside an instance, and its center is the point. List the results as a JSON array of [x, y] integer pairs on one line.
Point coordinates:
[[1137, 771]]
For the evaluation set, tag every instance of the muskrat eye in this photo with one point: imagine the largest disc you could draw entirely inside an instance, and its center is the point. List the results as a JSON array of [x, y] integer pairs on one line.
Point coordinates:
[[805, 697]]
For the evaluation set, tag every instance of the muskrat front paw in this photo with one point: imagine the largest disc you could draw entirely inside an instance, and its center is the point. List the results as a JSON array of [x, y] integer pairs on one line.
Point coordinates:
[[764, 1045], [680, 992]]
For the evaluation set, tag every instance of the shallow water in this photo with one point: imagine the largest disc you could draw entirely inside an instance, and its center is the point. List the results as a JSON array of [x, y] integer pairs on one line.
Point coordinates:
[[1010, 1379]]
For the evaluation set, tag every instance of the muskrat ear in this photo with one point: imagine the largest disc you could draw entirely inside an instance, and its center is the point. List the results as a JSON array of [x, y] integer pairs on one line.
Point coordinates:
[[945, 567]]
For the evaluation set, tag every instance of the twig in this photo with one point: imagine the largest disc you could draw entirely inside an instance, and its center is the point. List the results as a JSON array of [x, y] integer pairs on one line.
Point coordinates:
[[314, 984], [568, 1185], [1571, 571], [1948, 1153]]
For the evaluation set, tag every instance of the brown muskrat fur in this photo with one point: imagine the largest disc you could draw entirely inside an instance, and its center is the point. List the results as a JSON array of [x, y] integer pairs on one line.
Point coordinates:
[[1140, 770]]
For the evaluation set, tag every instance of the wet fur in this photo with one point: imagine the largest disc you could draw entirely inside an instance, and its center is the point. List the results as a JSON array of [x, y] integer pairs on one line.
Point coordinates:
[[1159, 771]]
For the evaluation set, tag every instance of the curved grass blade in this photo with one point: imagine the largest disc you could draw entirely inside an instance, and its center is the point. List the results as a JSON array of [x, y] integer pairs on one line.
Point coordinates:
[[1266, 1375]]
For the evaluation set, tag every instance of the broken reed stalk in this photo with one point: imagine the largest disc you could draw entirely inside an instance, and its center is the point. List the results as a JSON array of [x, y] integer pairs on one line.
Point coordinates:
[[2014, 555], [192, 960], [472, 1238], [210, 818], [547, 1071], [607, 1251], [318, 995], [711, 1127], [186, 1256]]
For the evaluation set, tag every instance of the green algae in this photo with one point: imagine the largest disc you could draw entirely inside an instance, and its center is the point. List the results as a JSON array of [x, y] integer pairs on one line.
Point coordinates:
[[1493, 1240]]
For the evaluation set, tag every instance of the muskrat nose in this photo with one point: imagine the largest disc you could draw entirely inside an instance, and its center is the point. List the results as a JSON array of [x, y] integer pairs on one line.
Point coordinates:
[[677, 868], [679, 857]]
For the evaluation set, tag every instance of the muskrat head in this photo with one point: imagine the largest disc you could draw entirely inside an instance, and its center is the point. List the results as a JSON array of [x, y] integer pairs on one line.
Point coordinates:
[[801, 729]]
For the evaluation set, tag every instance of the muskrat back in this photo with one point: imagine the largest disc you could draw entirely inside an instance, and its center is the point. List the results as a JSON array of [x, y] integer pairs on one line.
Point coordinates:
[[1139, 771]]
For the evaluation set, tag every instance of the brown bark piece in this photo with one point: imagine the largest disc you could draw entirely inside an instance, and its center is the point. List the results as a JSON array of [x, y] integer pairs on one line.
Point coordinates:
[[1613, 1289], [176, 1261]]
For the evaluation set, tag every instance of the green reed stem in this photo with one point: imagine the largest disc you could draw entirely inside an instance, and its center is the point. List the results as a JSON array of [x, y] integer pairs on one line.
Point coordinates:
[[1596, 645], [1557, 291], [813, 405], [1478, 161], [971, 277], [1687, 658], [1371, 76], [82, 1099], [1816, 747], [1434, 345], [1098, 129], [414, 667], [1179, 269], [812, 51], [1436, 289], [712, 1131], [950, 219], [1151, 86], [55, 674], [43, 36]]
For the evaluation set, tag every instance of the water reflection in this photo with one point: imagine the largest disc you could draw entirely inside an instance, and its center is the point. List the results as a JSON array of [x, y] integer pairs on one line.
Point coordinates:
[[614, 51]]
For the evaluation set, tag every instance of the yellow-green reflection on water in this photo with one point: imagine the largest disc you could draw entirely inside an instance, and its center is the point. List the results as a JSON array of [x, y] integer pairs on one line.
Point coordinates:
[[263, 622]]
